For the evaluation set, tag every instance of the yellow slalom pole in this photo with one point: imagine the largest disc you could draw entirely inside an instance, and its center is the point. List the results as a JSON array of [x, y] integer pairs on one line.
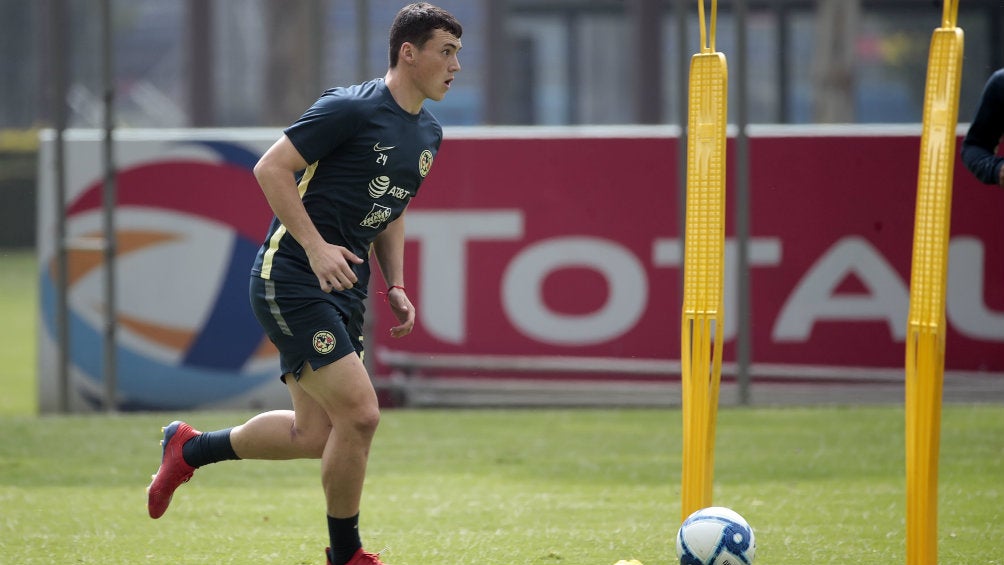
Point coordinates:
[[704, 266], [925, 346]]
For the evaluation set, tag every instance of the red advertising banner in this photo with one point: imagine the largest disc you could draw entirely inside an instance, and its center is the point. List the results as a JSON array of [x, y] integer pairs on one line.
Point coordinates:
[[568, 250], [535, 257], [841, 211]]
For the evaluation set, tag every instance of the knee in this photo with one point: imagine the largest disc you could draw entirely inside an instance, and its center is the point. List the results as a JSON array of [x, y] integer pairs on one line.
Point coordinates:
[[312, 440], [366, 420]]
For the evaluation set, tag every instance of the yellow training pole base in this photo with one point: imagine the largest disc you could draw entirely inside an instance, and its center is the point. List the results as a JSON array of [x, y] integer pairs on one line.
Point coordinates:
[[701, 378], [704, 273], [924, 384]]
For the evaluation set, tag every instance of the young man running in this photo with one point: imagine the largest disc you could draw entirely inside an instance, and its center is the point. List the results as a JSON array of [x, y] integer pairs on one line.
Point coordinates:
[[363, 152]]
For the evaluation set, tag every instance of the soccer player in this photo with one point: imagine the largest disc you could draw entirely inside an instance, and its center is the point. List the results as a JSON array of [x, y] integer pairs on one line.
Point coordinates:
[[338, 180], [979, 148]]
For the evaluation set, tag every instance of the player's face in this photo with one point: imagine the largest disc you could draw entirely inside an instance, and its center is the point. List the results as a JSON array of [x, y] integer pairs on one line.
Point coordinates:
[[438, 63]]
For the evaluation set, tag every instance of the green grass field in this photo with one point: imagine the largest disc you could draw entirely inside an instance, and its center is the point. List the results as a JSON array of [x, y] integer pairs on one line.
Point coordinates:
[[18, 301], [485, 487]]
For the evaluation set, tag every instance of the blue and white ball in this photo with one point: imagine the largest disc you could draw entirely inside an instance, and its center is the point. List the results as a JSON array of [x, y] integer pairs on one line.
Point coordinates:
[[715, 536]]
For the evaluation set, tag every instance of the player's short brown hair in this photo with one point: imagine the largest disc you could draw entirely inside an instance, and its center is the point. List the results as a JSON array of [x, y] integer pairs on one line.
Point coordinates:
[[415, 24]]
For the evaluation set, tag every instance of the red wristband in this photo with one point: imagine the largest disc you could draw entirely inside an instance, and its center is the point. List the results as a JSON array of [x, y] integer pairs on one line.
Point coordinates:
[[390, 288]]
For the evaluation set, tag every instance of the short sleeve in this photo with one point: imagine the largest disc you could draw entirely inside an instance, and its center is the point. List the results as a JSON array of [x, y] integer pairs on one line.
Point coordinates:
[[333, 119]]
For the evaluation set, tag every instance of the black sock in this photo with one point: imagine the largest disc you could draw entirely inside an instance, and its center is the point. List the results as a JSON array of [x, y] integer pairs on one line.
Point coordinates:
[[344, 534], [208, 447]]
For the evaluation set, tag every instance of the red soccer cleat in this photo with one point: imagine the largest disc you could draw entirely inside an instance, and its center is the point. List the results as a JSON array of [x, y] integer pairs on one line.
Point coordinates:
[[173, 469], [360, 557]]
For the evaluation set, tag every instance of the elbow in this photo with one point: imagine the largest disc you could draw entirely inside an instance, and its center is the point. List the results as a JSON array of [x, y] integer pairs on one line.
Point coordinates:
[[968, 149], [977, 162], [265, 172], [259, 169], [968, 159]]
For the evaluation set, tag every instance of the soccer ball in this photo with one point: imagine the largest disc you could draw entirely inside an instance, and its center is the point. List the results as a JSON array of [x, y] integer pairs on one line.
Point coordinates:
[[715, 536]]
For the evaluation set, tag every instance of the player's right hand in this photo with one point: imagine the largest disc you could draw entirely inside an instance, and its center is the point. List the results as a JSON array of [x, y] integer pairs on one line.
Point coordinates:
[[331, 265]]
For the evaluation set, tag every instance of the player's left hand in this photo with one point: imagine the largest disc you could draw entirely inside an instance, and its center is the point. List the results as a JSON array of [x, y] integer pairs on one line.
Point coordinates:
[[403, 310]]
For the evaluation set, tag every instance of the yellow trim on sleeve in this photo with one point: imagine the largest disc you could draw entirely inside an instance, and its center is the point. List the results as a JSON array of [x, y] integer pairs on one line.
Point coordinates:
[[273, 242]]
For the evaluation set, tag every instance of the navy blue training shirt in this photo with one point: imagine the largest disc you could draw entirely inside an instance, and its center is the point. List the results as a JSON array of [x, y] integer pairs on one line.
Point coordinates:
[[367, 158]]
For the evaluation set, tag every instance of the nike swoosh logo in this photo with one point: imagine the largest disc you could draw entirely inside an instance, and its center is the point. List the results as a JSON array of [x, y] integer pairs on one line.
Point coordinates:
[[376, 147]]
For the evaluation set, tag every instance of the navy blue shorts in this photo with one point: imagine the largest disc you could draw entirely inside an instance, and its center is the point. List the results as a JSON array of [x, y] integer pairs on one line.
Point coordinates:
[[306, 324]]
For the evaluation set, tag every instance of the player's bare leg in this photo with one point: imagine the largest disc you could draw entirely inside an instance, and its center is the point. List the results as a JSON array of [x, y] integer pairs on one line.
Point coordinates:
[[300, 433], [343, 389], [335, 417]]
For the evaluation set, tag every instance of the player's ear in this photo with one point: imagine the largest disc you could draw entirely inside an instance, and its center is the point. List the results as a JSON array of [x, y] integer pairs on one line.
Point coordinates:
[[407, 53]]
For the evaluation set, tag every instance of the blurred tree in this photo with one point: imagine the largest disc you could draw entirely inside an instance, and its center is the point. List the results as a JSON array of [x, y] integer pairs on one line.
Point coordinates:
[[646, 20], [837, 24], [18, 44], [293, 64], [200, 64]]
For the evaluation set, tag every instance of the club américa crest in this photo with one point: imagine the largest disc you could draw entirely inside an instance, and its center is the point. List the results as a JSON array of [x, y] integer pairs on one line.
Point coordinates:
[[324, 342], [424, 162]]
